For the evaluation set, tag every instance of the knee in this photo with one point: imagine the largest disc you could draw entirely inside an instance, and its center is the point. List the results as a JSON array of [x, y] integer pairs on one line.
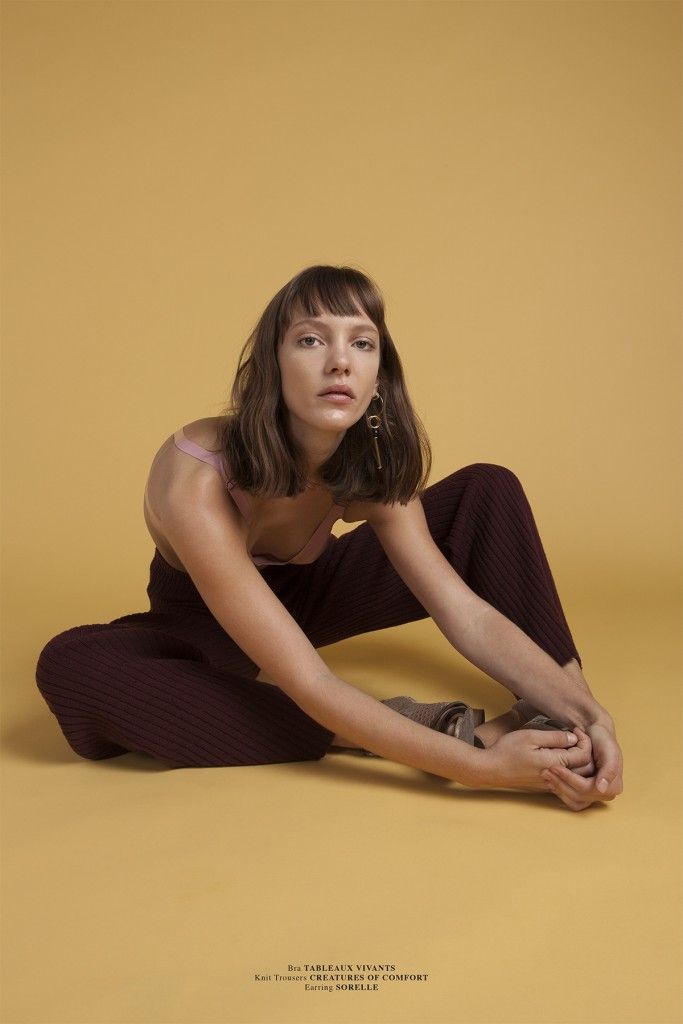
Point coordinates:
[[55, 647], [65, 676], [55, 659], [492, 476]]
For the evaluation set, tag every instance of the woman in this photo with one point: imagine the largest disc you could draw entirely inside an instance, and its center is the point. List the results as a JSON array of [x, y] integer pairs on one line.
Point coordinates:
[[246, 575]]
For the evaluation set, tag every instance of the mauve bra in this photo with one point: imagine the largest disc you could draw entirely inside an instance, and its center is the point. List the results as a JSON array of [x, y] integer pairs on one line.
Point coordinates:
[[309, 552]]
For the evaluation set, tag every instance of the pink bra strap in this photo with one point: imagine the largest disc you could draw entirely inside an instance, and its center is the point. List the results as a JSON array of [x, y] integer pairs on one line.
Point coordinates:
[[213, 458]]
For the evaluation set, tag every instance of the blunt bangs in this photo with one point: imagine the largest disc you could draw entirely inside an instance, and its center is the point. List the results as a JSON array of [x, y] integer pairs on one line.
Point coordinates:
[[338, 291]]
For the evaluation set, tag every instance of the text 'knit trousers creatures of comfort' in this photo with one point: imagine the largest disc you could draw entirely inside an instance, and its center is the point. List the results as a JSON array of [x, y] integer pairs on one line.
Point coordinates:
[[173, 684]]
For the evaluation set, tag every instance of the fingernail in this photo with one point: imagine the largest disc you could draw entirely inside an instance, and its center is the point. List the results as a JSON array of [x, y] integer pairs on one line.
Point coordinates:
[[602, 785], [571, 738]]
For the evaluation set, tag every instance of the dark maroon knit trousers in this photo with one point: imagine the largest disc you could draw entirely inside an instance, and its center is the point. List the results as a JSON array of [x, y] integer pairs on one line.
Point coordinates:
[[171, 683]]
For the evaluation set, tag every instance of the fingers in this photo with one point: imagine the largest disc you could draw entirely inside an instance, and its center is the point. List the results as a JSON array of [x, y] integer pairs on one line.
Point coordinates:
[[614, 788], [577, 756], [560, 782], [556, 738], [587, 770], [609, 769], [571, 787], [608, 758]]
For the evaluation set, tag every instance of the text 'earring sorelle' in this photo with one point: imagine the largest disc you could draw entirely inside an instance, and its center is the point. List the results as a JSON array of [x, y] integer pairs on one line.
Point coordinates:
[[374, 422]]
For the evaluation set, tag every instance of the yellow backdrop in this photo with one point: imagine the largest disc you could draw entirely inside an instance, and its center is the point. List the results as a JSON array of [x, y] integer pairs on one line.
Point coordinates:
[[510, 174]]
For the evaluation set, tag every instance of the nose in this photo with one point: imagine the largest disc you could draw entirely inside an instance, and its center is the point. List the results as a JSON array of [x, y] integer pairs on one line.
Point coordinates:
[[337, 359]]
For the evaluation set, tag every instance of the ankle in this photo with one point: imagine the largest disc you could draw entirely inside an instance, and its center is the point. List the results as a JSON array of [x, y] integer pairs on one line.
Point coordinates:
[[491, 731]]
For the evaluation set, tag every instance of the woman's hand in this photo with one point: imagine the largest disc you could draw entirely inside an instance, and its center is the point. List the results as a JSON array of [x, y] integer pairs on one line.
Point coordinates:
[[518, 759], [578, 793], [608, 758], [586, 770]]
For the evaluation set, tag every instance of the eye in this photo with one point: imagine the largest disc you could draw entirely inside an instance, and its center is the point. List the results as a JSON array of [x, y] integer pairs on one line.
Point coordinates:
[[368, 345]]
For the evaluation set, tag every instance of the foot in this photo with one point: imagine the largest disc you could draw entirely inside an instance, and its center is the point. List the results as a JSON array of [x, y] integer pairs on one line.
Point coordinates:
[[515, 718], [489, 732], [519, 714]]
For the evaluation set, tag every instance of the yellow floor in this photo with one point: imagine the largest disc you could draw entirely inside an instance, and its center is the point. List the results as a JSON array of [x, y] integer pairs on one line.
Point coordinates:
[[139, 895]]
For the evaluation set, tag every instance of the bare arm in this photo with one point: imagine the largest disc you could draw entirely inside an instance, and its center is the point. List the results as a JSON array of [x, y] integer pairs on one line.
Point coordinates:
[[204, 529], [475, 628]]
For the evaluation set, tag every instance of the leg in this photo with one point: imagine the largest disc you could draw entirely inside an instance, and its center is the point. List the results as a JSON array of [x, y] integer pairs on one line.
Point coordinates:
[[481, 520], [123, 687]]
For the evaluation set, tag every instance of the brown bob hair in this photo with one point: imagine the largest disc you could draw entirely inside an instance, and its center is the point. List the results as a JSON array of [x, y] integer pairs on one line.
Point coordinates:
[[265, 459]]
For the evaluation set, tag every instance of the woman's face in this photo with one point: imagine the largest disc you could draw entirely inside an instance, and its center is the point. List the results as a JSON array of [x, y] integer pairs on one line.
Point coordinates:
[[321, 353]]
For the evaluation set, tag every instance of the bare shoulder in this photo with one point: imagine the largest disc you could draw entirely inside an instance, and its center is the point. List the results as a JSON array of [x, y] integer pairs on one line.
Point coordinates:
[[175, 477], [203, 432]]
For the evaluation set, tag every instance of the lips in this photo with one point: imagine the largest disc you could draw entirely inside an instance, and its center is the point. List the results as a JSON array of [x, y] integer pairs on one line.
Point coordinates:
[[341, 390]]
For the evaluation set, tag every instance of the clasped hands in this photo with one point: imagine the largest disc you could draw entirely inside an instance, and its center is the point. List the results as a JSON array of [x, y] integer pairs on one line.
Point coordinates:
[[600, 778], [580, 774]]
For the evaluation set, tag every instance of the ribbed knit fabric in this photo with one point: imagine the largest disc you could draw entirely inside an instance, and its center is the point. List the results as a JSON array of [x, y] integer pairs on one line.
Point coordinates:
[[171, 683]]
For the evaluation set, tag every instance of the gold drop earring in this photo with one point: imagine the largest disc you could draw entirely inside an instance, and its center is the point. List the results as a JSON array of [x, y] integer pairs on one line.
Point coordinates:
[[374, 422]]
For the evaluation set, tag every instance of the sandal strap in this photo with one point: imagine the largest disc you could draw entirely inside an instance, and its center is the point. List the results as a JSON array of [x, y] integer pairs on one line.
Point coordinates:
[[436, 715], [538, 721], [543, 722]]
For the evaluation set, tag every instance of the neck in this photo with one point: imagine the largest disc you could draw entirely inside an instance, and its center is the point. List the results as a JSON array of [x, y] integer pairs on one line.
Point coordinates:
[[317, 449]]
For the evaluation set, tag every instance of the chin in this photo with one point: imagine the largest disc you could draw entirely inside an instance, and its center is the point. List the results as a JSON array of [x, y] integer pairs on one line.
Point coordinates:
[[340, 418]]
